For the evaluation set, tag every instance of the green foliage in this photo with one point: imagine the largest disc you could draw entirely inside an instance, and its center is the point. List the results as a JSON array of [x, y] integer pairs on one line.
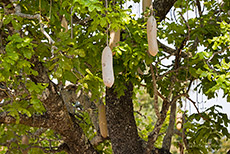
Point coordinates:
[[209, 127], [77, 60]]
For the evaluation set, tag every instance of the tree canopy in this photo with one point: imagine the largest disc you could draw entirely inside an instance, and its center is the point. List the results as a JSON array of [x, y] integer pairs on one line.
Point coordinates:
[[53, 99]]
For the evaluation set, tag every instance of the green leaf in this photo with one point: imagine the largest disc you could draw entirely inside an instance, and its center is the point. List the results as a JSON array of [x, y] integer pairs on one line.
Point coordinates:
[[27, 53], [228, 98], [13, 55], [16, 25], [103, 22], [7, 19], [37, 105]]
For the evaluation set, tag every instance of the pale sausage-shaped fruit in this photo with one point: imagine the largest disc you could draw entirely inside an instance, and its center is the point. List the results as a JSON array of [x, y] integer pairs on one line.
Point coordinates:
[[146, 4], [179, 121], [64, 23], [114, 38], [107, 67], [102, 120], [25, 140], [152, 35]]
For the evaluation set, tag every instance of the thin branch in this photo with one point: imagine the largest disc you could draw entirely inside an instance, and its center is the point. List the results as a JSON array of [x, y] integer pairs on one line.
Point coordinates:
[[183, 133], [62, 147], [171, 71], [155, 104], [71, 20], [171, 54], [155, 133], [199, 7], [33, 121], [179, 96], [177, 132], [194, 103], [215, 53], [166, 48], [187, 24], [168, 137], [161, 96], [190, 84], [171, 88], [29, 16]]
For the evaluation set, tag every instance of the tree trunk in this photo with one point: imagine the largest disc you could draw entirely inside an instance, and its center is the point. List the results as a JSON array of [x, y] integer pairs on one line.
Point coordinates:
[[121, 123]]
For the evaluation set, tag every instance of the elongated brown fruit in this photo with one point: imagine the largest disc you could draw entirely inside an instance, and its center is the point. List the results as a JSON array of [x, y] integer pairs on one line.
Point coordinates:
[[25, 140], [64, 23], [179, 121], [107, 67], [114, 38], [145, 4], [102, 121], [152, 35]]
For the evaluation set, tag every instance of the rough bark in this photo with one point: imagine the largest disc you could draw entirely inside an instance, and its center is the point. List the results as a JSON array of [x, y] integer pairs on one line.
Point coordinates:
[[162, 7], [121, 123], [61, 121], [56, 116], [170, 131]]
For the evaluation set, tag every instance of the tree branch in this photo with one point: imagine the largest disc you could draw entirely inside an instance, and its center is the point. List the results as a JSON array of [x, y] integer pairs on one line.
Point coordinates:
[[168, 137], [194, 103], [171, 71], [154, 134], [155, 103], [29, 16], [33, 121], [62, 147], [162, 7]]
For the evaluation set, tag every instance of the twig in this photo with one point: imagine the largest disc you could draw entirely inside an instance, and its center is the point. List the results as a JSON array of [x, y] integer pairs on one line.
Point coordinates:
[[194, 103], [171, 88], [140, 114], [161, 96], [189, 29], [71, 20], [215, 53], [179, 96], [166, 48], [36, 16], [172, 71]]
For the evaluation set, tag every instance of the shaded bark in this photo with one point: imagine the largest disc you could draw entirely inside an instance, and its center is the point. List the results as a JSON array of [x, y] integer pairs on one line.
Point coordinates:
[[121, 123], [60, 119], [162, 7], [170, 131]]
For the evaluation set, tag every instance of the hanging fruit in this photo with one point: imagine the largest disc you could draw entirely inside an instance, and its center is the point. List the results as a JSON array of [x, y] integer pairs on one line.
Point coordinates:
[[152, 35], [179, 121], [64, 24], [146, 4], [107, 67], [102, 120], [114, 38]]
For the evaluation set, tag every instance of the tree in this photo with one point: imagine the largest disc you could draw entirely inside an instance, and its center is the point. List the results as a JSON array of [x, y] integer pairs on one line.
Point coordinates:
[[51, 81]]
